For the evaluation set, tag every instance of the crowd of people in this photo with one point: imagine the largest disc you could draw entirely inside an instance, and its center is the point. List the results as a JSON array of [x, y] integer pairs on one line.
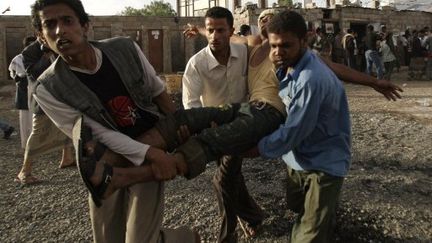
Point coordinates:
[[379, 51], [276, 95]]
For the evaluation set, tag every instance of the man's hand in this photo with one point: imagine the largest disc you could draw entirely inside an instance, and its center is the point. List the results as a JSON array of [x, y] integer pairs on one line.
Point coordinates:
[[183, 134], [251, 153], [191, 31], [182, 168], [163, 165], [389, 90]]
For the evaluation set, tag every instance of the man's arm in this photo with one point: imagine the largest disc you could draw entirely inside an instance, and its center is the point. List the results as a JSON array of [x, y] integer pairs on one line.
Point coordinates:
[[192, 87], [164, 102], [300, 122], [389, 90], [162, 169], [251, 40], [64, 116], [35, 60], [191, 31]]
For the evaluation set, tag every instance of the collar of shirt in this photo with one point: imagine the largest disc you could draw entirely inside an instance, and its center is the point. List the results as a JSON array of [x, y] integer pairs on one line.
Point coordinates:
[[295, 71], [213, 63], [98, 54]]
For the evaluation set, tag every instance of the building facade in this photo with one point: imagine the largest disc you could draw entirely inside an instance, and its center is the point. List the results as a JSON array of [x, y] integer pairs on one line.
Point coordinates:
[[198, 8]]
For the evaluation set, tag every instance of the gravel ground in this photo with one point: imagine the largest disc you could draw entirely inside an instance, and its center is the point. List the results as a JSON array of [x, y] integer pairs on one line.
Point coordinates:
[[385, 198]]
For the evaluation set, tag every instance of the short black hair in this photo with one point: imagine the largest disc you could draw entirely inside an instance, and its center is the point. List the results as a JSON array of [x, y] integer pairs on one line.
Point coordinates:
[[28, 40], [288, 21], [75, 5], [220, 13], [244, 28], [370, 27]]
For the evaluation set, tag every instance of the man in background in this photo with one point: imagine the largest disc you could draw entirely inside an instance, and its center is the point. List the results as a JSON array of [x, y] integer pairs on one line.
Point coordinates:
[[18, 74], [372, 56], [217, 75], [45, 137]]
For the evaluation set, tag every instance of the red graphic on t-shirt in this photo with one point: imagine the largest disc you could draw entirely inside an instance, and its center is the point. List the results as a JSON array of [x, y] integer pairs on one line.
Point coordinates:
[[124, 111]]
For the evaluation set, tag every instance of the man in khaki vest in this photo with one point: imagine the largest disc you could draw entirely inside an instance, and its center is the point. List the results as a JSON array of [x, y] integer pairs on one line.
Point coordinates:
[[118, 101]]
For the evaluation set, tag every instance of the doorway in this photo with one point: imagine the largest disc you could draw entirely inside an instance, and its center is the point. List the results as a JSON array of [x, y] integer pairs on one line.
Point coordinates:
[[155, 38]]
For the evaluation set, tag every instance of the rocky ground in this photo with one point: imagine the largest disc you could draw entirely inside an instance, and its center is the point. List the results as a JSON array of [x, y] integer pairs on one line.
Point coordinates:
[[387, 196]]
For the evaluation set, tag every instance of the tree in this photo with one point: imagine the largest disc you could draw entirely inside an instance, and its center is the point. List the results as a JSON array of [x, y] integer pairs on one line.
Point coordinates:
[[155, 8], [129, 11]]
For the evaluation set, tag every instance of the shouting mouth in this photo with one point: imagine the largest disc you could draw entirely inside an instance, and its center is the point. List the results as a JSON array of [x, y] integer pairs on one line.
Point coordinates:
[[63, 43]]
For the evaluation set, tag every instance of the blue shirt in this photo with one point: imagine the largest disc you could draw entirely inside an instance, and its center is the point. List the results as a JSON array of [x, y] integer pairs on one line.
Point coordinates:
[[317, 128]]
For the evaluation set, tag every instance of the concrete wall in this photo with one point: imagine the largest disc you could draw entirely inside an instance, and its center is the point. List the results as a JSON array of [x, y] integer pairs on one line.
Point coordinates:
[[344, 17], [12, 31], [395, 21], [176, 50]]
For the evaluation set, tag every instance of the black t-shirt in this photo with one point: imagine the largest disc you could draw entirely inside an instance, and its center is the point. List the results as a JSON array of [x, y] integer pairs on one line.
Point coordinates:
[[371, 41], [108, 87]]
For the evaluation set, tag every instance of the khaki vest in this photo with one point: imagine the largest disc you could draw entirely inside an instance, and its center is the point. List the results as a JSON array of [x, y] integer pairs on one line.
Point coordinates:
[[60, 81]]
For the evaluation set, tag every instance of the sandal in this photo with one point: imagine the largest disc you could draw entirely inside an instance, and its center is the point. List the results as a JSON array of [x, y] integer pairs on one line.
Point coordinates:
[[27, 180], [249, 230], [87, 164]]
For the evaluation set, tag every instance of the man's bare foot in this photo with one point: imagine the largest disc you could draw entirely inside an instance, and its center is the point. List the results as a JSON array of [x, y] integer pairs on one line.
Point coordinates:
[[26, 179], [68, 158], [65, 164], [250, 231]]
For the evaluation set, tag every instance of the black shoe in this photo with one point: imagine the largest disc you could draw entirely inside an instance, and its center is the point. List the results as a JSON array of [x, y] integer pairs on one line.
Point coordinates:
[[8, 132]]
